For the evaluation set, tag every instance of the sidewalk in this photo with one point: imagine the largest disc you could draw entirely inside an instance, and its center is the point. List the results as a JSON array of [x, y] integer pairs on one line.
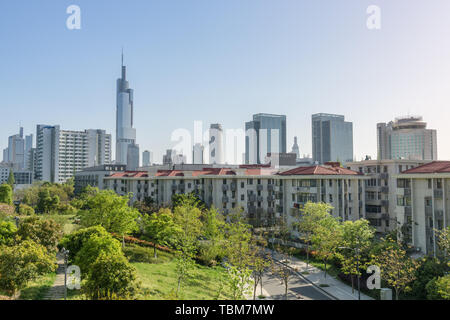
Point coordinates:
[[56, 292], [336, 288]]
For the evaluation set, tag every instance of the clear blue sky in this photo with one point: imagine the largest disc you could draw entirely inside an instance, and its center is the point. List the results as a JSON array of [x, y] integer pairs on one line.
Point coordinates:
[[222, 61]]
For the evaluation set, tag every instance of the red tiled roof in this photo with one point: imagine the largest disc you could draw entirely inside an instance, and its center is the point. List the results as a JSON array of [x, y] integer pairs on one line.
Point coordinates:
[[432, 167], [130, 174], [319, 170]]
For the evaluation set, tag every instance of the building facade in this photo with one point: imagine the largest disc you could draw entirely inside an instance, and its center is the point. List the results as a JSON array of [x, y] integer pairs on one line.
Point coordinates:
[[332, 138], [216, 144], [266, 133], [147, 158], [423, 204], [406, 138], [197, 154], [380, 196], [264, 193], [18, 152], [61, 153], [93, 176]]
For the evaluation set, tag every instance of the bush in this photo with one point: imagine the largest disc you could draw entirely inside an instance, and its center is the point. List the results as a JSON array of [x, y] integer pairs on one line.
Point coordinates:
[[429, 268], [6, 210], [26, 210], [111, 278], [209, 255], [93, 248], [75, 241], [439, 288], [44, 232], [138, 254], [67, 209], [29, 260], [6, 194], [7, 232]]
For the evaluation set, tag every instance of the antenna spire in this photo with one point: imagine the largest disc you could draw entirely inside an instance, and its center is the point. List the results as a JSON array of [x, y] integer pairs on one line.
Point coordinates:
[[122, 56]]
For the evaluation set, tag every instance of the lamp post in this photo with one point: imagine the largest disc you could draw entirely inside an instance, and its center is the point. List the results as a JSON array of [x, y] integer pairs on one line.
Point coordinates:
[[65, 253], [17, 219], [357, 251]]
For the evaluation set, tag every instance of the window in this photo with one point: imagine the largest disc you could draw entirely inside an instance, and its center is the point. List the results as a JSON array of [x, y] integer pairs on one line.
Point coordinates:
[[429, 183], [242, 184], [242, 197]]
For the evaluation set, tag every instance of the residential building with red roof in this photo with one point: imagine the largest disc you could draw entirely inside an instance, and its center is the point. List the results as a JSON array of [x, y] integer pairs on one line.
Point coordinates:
[[423, 204]]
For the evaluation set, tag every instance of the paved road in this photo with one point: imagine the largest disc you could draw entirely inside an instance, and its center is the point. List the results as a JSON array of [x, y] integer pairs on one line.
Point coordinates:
[[298, 288]]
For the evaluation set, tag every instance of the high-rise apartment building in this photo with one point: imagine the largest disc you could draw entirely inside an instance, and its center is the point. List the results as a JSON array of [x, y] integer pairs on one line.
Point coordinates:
[[61, 153], [406, 138], [295, 148], [147, 158], [332, 138], [125, 133], [18, 152], [265, 134], [216, 144]]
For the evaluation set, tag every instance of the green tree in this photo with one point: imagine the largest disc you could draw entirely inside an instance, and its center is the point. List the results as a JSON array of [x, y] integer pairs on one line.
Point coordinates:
[[356, 244], [160, 228], [397, 269], [187, 220], [11, 180], [444, 242], [439, 288], [110, 211], [111, 277], [26, 210], [6, 194], [7, 232], [45, 201], [211, 248], [429, 268], [44, 232], [327, 238], [308, 220], [22, 263], [93, 248]]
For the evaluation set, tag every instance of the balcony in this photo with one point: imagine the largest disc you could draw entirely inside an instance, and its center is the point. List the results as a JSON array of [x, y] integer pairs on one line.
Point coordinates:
[[174, 187], [372, 215], [385, 203], [260, 198], [270, 198], [259, 187], [385, 189], [270, 187], [439, 214], [251, 209], [259, 211], [181, 187], [385, 216], [233, 186], [279, 209], [384, 175], [270, 210], [224, 187], [225, 199], [252, 198], [428, 211]]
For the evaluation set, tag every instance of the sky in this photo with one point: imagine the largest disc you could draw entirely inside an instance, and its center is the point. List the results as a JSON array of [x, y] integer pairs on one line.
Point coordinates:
[[221, 61]]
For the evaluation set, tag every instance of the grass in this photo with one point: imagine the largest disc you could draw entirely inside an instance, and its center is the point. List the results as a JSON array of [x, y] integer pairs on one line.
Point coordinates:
[[67, 221], [159, 281], [36, 290]]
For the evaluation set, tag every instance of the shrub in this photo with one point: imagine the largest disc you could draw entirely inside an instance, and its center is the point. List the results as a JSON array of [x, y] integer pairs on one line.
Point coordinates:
[[439, 288], [6, 210], [429, 268], [44, 232], [26, 210], [7, 232], [67, 209], [93, 248], [111, 278], [138, 254], [75, 241], [6, 194], [29, 259]]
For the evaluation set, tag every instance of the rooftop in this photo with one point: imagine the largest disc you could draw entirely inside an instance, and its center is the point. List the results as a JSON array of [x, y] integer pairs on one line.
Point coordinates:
[[432, 167]]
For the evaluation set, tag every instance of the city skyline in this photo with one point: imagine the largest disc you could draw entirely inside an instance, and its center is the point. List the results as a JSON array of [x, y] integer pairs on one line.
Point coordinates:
[[227, 71]]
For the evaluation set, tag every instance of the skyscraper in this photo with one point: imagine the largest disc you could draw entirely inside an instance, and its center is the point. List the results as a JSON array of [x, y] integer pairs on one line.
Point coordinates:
[[197, 154], [147, 158], [406, 138], [125, 133], [17, 154], [295, 148], [216, 144], [332, 138], [265, 134]]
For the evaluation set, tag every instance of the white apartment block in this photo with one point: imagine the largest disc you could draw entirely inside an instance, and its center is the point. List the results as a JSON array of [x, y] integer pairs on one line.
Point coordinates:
[[266, 194], [61, 153], [380, 197], [423, 203]]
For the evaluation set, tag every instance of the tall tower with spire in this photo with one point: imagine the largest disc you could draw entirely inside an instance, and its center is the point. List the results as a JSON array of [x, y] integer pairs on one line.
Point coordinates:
[[295, 148], [125, 133]]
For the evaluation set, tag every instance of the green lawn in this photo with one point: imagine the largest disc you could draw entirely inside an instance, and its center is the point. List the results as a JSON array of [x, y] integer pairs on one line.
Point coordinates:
[[159, 281], [37, 289]]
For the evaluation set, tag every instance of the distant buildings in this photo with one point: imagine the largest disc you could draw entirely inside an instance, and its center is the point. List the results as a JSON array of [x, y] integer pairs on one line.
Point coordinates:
[[265, 134], [406, 138], [125, 133], [19, 152], [21, 178], [168, 157], [216, 145], [295, 148], [197, 154], [332, 138], [93, 176], [61, 153], [147, 158]]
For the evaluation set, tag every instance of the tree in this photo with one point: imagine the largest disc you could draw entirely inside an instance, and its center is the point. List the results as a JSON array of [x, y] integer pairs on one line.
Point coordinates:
[[397, 269], [429, 268], [211, 248], [11, 180], [311, 214], [6, 194], [356, 241], [110, 211], [94, 247], [26, 210], [44, 232], [260, 260], [439, 288], [327, 238], [7, 232], [160, 228], [44, 204], [75, 241], [111, 277], [22, 263], [187, 220], [444, 242], [190, 199]]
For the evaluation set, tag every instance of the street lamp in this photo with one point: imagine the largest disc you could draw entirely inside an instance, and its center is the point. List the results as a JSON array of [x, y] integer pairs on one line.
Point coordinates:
[[65, 253], [357, 251], [17, 221]]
